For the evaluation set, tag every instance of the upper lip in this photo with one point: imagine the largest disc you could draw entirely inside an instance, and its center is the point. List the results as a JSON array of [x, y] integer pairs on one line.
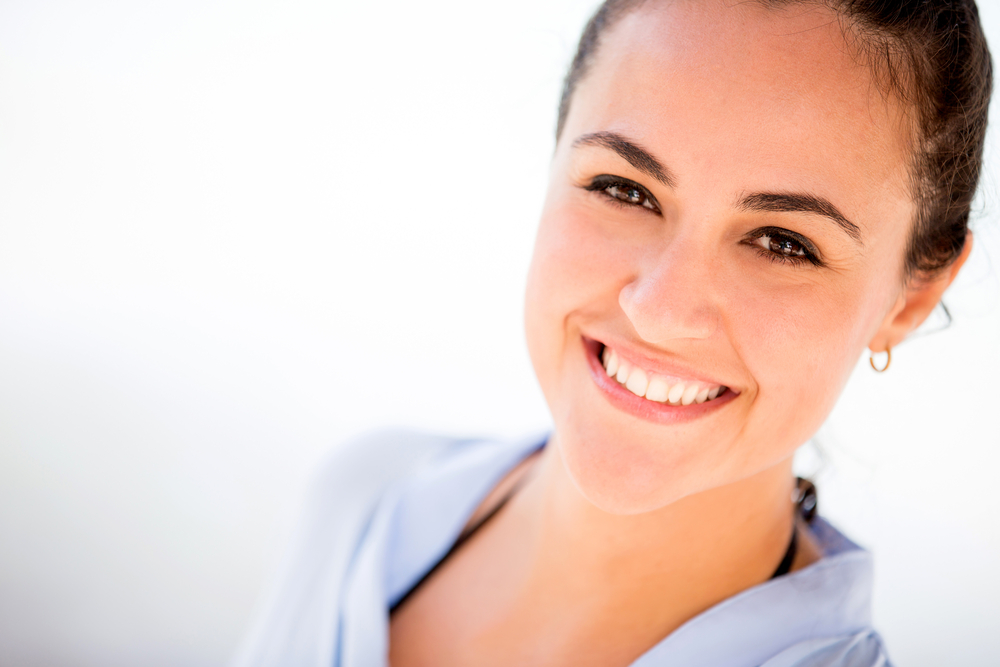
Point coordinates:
[[671, 369]]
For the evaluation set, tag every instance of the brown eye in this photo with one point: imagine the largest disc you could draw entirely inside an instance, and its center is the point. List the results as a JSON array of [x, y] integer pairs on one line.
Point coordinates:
[[630, 195], [623, 191], [782, 245]]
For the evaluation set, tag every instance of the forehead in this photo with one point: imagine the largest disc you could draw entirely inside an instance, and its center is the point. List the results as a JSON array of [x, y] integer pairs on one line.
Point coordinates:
[[735, 89]]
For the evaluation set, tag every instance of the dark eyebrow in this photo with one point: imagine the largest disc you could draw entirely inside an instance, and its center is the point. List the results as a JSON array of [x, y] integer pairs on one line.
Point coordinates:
[[799, 203], [638, 157]]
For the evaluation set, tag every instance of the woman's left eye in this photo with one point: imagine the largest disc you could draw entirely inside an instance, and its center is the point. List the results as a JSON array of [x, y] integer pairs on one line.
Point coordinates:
[[783, 246]]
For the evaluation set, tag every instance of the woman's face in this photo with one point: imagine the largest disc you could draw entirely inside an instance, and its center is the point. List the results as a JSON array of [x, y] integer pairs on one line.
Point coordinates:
[[729, 206]]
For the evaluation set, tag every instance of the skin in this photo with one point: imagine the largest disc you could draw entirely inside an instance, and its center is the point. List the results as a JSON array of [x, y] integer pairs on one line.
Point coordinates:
[[583, 566]]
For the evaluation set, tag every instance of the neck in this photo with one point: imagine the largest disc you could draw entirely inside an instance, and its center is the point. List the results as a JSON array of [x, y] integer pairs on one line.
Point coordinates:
[[664, 566]]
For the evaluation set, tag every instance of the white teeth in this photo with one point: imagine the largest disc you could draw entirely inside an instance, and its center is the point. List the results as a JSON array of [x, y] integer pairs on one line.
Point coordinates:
[[623, 370], [657, 390], [702, 395], [611, 362], [637, 382], [654, 387]]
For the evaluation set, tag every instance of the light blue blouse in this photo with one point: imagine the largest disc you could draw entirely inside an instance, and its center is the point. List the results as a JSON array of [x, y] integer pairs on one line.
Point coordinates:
[[387, 507]]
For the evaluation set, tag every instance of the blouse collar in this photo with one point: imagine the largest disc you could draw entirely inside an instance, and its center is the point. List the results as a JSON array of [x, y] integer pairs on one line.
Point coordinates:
[[418, 520]]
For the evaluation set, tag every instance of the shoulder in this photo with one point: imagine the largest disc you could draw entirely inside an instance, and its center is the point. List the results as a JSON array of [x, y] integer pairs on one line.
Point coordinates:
[[861, 649], [295, 619], [360, 471], [363, 466]]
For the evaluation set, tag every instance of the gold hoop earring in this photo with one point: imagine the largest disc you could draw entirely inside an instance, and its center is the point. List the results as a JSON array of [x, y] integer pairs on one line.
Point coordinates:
[[888, 360]]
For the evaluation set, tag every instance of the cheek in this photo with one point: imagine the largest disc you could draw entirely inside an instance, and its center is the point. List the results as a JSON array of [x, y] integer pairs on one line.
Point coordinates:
[[800, 343], [575, 270]]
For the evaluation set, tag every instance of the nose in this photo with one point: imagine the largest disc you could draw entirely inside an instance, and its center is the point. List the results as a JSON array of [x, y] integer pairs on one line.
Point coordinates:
[[672, 295]]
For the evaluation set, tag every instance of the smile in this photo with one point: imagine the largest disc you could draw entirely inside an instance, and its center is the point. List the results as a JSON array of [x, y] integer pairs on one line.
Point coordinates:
[[665, 395], [655, 387]]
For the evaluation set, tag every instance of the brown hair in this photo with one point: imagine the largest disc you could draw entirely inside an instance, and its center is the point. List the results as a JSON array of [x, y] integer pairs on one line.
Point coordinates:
[[932, 54]]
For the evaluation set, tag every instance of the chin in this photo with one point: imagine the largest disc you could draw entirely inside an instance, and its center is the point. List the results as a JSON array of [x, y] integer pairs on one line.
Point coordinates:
[[625, 471]]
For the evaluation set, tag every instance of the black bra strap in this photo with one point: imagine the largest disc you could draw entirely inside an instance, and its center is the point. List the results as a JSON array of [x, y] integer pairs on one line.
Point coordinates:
[[785, 566], [462, 539], [805, 507]]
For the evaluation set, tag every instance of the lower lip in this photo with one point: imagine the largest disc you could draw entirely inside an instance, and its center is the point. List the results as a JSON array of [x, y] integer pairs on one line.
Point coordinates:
[[662, 413]]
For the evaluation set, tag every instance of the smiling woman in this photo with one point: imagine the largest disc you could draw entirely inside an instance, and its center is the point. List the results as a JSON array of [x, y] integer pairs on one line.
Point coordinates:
[[743, 197]]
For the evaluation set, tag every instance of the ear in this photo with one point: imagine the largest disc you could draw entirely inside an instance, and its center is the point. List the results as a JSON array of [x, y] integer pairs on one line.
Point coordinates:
[[915, 303]]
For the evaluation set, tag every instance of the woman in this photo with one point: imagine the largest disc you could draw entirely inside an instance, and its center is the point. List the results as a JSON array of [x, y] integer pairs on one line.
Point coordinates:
[[743, 197]]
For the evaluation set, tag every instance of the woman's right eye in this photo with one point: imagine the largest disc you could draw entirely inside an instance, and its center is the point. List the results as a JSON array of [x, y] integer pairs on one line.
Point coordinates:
[[624, 191]]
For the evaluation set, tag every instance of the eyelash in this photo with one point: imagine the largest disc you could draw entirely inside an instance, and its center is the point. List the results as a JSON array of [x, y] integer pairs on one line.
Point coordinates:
[[809, 254], [783, 236], [604, 183]]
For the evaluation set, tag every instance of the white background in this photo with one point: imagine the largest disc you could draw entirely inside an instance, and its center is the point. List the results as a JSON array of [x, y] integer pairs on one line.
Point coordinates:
[[234, 233]]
